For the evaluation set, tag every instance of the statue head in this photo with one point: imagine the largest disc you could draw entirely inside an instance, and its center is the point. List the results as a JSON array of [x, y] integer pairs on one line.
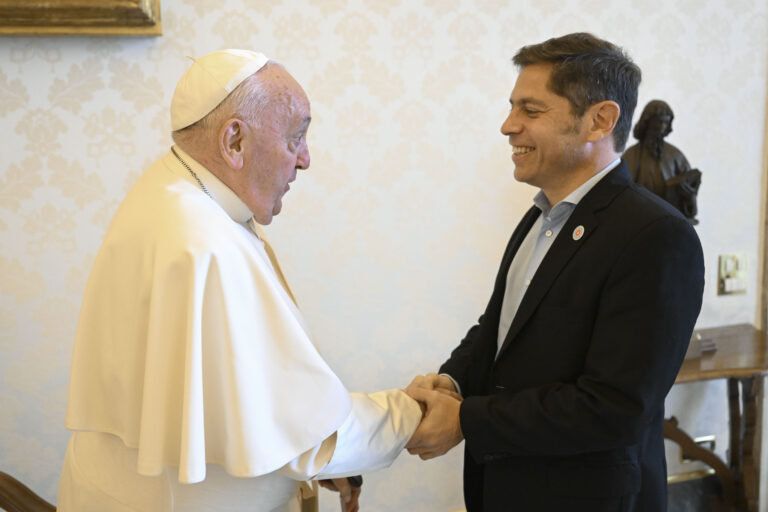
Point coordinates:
[[655, 123]]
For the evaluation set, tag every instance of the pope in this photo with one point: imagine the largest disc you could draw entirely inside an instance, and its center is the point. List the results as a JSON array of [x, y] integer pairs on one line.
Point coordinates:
[[195, 385]]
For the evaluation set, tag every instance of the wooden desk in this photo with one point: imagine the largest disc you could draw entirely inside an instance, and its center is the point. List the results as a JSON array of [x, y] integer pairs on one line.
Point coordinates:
[[742, 359]]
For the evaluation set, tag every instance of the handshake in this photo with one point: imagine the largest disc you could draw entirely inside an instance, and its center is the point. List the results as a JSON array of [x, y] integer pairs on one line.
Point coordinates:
[[440, 429]]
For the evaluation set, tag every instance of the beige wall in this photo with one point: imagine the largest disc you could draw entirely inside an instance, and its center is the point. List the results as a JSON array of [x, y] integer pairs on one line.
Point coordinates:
[[392, 238]]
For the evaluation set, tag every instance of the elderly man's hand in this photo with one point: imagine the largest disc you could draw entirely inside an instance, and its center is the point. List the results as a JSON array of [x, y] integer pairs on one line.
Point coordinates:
[[348, 493], [440, 429]]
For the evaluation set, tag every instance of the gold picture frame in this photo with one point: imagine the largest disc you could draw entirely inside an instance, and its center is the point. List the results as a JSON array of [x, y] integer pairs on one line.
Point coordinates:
[[80, 17]]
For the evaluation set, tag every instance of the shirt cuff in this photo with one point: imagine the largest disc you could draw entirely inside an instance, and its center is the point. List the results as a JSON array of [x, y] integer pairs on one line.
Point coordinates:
[[455, 384]]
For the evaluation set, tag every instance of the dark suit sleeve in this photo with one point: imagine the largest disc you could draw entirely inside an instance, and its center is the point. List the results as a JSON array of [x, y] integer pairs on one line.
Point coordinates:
[[646, 311], [464, 359]]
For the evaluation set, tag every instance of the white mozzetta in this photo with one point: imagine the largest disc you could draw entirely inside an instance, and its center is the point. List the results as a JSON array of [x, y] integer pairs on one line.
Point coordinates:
[[188, 348]]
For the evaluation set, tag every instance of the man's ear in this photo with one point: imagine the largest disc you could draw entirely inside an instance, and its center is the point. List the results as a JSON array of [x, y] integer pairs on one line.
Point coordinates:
[[231, 143], [603, 118]]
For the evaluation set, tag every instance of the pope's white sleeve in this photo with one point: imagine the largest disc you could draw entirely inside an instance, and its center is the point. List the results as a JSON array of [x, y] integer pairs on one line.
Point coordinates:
[[375, 432], [377, 429]]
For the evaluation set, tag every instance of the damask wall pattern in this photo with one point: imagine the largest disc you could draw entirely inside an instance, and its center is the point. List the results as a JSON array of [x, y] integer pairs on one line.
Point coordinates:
[[392, 238]]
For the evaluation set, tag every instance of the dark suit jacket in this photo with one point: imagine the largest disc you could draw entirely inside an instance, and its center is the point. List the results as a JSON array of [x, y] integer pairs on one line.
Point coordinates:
[[569, 416]]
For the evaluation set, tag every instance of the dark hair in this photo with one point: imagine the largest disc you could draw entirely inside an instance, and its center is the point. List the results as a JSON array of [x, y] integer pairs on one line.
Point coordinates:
[[653, 109], [585, 71]]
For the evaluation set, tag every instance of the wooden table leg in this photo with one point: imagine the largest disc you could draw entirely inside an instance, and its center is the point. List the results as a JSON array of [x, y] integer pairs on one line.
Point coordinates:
[[743, 417], [749, 394], [737, 432]]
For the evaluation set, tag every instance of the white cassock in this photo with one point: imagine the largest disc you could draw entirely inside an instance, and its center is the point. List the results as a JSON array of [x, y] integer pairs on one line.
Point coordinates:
[[194, 383]]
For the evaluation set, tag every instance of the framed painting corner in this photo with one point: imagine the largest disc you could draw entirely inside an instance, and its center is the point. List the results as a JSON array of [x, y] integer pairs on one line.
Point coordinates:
[[78, 17]]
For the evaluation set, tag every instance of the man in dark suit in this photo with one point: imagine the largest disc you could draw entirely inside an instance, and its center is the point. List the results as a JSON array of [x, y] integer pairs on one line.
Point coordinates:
[[564, 376]]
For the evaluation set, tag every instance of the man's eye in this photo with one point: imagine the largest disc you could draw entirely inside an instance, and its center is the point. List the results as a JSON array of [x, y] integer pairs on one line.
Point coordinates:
[[530, 112], [295, 143]]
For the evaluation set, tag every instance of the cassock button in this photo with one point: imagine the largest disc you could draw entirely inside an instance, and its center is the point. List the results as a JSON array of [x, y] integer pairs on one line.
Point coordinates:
[[578, 232]]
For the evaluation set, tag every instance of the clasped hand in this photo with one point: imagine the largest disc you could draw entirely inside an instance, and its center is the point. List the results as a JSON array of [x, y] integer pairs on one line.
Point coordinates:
[[440, 429], [348, 493]]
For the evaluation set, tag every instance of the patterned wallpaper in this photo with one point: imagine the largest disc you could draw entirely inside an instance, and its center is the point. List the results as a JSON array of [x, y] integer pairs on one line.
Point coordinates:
[[392, 238]]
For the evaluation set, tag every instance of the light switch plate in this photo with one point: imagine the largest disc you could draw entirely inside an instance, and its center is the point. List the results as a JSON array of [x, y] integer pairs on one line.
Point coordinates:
[[732, 274]]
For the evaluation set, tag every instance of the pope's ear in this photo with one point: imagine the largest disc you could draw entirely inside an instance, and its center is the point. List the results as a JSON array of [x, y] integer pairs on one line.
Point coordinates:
[[604, 116], [231, 147]]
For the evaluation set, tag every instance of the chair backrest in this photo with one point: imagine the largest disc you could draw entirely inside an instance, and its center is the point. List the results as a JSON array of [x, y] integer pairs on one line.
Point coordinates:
[[17, 497]]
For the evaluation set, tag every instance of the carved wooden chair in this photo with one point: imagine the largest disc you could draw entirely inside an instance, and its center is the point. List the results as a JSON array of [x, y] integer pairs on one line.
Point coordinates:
[[17, 497]]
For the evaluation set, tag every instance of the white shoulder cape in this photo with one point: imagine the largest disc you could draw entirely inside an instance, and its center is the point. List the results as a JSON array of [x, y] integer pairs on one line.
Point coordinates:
[[188, 348]]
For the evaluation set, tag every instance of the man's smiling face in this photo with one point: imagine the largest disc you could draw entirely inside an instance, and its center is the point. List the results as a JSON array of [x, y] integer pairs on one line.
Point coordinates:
[[545, 136]]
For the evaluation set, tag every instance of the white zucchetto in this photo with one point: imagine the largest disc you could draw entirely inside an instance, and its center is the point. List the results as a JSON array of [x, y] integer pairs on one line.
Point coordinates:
[[209, 81]]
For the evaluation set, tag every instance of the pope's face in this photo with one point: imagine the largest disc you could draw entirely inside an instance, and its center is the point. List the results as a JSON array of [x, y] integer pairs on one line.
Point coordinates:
[[543, 133], [278, 146]]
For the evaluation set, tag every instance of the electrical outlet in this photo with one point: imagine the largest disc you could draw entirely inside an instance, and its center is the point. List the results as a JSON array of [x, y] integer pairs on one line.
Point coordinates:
[[732, 274]]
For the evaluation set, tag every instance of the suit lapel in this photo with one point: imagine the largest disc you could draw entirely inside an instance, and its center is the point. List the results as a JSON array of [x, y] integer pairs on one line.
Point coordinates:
[[567, 243]]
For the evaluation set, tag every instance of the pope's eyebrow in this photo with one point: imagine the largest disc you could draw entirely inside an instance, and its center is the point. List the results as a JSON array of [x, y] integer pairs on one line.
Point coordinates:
[[303, 126]]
